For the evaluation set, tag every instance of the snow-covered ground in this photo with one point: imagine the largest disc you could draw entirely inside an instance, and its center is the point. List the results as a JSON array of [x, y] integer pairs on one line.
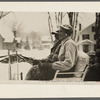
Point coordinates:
[[23, 67], [35, 53]]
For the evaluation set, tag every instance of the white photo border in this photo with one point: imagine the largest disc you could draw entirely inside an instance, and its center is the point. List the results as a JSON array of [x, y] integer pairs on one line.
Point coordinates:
[[29, 89]]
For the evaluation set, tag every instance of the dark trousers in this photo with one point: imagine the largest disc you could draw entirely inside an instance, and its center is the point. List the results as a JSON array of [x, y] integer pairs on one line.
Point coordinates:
[[35, 73]]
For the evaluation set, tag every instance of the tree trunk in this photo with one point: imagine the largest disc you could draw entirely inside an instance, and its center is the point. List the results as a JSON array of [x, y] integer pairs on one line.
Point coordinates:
[[50, 26], [73, 20], [98, 36]]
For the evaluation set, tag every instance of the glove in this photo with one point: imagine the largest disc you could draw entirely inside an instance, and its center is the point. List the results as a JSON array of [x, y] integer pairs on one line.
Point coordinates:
[[45, 65], [55, 57], [50, 56], [33, 61], [46, 60]]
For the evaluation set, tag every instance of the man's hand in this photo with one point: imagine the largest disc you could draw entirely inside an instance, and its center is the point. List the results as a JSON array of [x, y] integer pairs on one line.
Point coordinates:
[[45, 65], [55, 57]]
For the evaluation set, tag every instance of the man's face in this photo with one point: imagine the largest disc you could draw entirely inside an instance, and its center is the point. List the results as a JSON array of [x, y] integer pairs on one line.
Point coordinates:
[[62, 34], [56, 36]]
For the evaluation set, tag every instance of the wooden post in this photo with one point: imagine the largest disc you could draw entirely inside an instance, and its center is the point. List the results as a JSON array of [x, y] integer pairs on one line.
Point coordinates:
[[21, 74], [10, 77], [17, 67]]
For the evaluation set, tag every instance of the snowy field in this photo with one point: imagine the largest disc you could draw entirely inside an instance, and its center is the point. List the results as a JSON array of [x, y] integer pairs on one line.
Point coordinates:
[[23, 67], [37, 54]]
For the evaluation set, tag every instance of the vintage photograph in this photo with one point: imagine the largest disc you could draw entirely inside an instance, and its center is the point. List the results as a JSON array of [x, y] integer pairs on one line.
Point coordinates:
[[49, 46]]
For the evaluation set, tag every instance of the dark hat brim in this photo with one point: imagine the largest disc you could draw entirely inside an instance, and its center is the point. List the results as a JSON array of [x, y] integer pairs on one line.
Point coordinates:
[[68, 29], [54, 32]]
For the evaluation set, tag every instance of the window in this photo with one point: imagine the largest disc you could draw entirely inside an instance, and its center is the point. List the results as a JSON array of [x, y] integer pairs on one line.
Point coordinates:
[[94, 47], [95, 37], [85, 36], [79, 27], [93, 29], [86, 48]]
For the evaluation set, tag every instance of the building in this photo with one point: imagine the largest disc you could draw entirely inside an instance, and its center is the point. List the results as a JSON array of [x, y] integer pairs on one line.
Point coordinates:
[[6, 36], [88, 33], [8, 43]]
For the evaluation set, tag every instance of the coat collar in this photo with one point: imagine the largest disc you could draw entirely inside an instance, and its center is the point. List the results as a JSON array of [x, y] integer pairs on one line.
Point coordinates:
[[64, 40]]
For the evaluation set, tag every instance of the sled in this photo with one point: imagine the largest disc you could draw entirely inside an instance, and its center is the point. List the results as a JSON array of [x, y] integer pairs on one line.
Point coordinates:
[[77, 76]]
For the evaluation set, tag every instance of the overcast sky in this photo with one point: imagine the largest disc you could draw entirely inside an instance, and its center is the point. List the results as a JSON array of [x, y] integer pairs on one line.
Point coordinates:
[[38, 21]]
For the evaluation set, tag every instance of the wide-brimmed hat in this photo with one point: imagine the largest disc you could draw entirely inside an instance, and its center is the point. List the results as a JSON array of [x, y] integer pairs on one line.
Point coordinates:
[[68, 29], [55, 32]]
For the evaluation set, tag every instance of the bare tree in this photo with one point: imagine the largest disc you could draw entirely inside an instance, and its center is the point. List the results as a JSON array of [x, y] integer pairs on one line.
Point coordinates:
[[20, 27], [3, 14], [59, 18], [98, 35], [73, 20], [50, 26]]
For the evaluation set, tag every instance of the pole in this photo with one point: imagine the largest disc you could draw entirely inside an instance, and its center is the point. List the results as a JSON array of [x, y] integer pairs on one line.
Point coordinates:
[[98, 36], [10, 77], [17, 67], [21, 75]]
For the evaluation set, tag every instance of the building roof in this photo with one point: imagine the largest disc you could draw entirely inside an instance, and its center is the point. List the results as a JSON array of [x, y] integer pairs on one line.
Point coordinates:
[[6, 34], [86, 27], [6, 27]]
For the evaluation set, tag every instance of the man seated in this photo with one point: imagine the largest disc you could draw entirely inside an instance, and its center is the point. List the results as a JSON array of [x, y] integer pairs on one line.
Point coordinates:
[[66, 57], [68, 51], [37, 72]]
